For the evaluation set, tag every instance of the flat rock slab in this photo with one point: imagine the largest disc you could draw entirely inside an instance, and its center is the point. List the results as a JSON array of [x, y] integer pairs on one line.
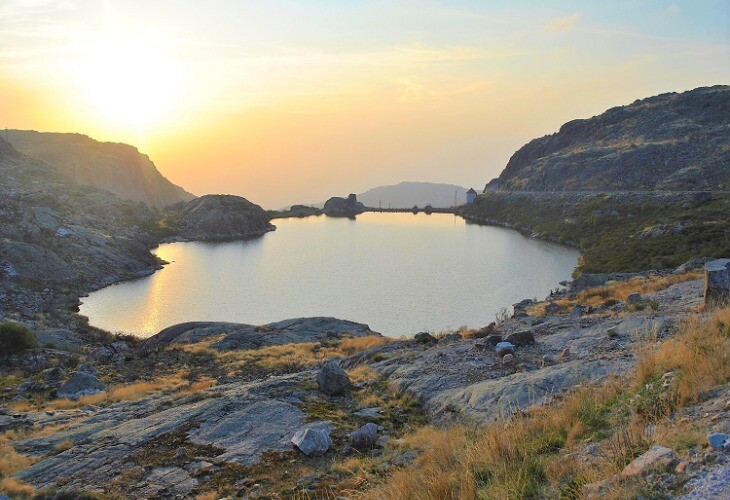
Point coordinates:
[[243, 336], [168, 480], [471, 380], [245, 434]]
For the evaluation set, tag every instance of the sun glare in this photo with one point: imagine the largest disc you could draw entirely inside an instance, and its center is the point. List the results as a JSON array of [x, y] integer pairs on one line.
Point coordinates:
[[128, 79]]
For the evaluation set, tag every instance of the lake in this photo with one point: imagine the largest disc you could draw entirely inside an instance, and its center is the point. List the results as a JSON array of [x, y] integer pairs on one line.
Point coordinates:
[[398, 273]]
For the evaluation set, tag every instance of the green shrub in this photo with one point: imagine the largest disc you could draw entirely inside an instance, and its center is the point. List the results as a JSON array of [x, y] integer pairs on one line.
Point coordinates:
[[15, 338]]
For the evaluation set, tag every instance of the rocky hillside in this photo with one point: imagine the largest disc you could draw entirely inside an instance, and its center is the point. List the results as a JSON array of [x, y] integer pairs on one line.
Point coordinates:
[[56, 234], [115, 167], [668, 142], [60, 239]]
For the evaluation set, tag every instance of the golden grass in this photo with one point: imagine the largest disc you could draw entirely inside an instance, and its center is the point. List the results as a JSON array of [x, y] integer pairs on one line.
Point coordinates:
[[200, 385], [362, 373], [291, 357], [11, 461], [699, 355], [15, 488], [621, 290], [129, 392], [533, 455]]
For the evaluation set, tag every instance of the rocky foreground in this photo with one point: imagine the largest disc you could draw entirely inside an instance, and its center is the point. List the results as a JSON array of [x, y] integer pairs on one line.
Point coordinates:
[[228, 409]]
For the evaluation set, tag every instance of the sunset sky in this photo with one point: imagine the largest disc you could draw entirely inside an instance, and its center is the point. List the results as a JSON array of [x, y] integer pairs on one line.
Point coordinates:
[[296, 101]]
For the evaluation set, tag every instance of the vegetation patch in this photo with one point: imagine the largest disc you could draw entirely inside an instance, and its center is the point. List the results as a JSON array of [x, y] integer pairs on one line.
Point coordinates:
[[617, 235], [586, 436]]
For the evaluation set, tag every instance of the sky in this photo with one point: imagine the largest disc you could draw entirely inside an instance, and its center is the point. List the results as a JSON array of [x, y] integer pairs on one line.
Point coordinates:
[[289, 102]]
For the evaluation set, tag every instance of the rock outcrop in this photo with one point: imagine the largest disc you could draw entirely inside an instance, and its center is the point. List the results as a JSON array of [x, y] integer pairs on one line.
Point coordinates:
[[717, 281], [115, 167], [221, 218], [332, 379], [241, 336], [343, 207]]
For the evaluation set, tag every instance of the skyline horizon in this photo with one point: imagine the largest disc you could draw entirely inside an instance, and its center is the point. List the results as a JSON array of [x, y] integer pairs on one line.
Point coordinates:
[[286, 100]]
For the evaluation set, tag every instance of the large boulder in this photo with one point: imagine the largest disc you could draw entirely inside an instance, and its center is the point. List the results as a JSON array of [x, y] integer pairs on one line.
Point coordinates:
[[343, 207], [521, 338], [223, 217], [365, 437], [717, 281], [332, 379], [80, 384], [312, 441]]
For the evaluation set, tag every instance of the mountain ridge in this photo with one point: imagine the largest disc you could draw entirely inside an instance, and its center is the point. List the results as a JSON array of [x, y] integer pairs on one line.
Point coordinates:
[[114, 166], [672, 141], [406, 194]]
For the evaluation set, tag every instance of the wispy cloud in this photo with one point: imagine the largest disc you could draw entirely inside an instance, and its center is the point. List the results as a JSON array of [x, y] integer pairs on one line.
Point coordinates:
[[564, 23]]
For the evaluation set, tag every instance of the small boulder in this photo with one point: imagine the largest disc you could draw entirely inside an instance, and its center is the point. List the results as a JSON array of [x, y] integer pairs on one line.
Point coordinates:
[[425, 338], [53, 375], [312, 441], [520, 339], [633, 298], [508, 359], [80, 384], [552, 308], [332, 379], [489, 341], [718, 441], [365, 437], [612, 333], [503, 348], [657, 456]]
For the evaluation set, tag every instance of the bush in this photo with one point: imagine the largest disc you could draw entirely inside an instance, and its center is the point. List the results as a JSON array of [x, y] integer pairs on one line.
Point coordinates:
[[15, 338]]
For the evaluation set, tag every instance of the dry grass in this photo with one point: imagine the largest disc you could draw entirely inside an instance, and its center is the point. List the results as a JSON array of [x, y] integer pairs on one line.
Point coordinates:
[[129, 392], [200, 385], [620, 290], [11, 461], [699, 356], [363, 373], [294, 357], [533, 455], [15, 488]]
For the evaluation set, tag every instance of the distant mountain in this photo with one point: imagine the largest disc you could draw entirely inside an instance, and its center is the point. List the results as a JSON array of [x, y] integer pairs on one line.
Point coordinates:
[[119, 168], [672, 142], [408, 194]]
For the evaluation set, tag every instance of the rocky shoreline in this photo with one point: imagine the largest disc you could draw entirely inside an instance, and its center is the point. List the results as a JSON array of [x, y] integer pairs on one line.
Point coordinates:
[[251, 394]]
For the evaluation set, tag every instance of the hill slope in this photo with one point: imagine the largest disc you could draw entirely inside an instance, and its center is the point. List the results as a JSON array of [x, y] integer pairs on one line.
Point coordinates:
[[667, 142], [627, 187], [119, 168], [408, 194]]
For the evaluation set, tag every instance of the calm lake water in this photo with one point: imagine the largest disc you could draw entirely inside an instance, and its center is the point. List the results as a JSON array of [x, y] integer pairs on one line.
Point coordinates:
[[399, 273]]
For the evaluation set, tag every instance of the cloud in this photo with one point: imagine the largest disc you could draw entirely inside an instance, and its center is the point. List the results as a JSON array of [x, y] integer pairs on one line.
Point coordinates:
[[674, 9], [564, 23]]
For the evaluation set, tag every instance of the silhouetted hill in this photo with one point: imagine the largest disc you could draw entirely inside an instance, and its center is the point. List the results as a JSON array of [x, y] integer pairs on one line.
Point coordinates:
[[408, 194], [669, 142], [119, 168]]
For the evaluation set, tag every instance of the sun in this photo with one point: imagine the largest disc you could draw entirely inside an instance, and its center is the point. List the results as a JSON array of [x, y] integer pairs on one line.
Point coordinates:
[[128, 79]]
